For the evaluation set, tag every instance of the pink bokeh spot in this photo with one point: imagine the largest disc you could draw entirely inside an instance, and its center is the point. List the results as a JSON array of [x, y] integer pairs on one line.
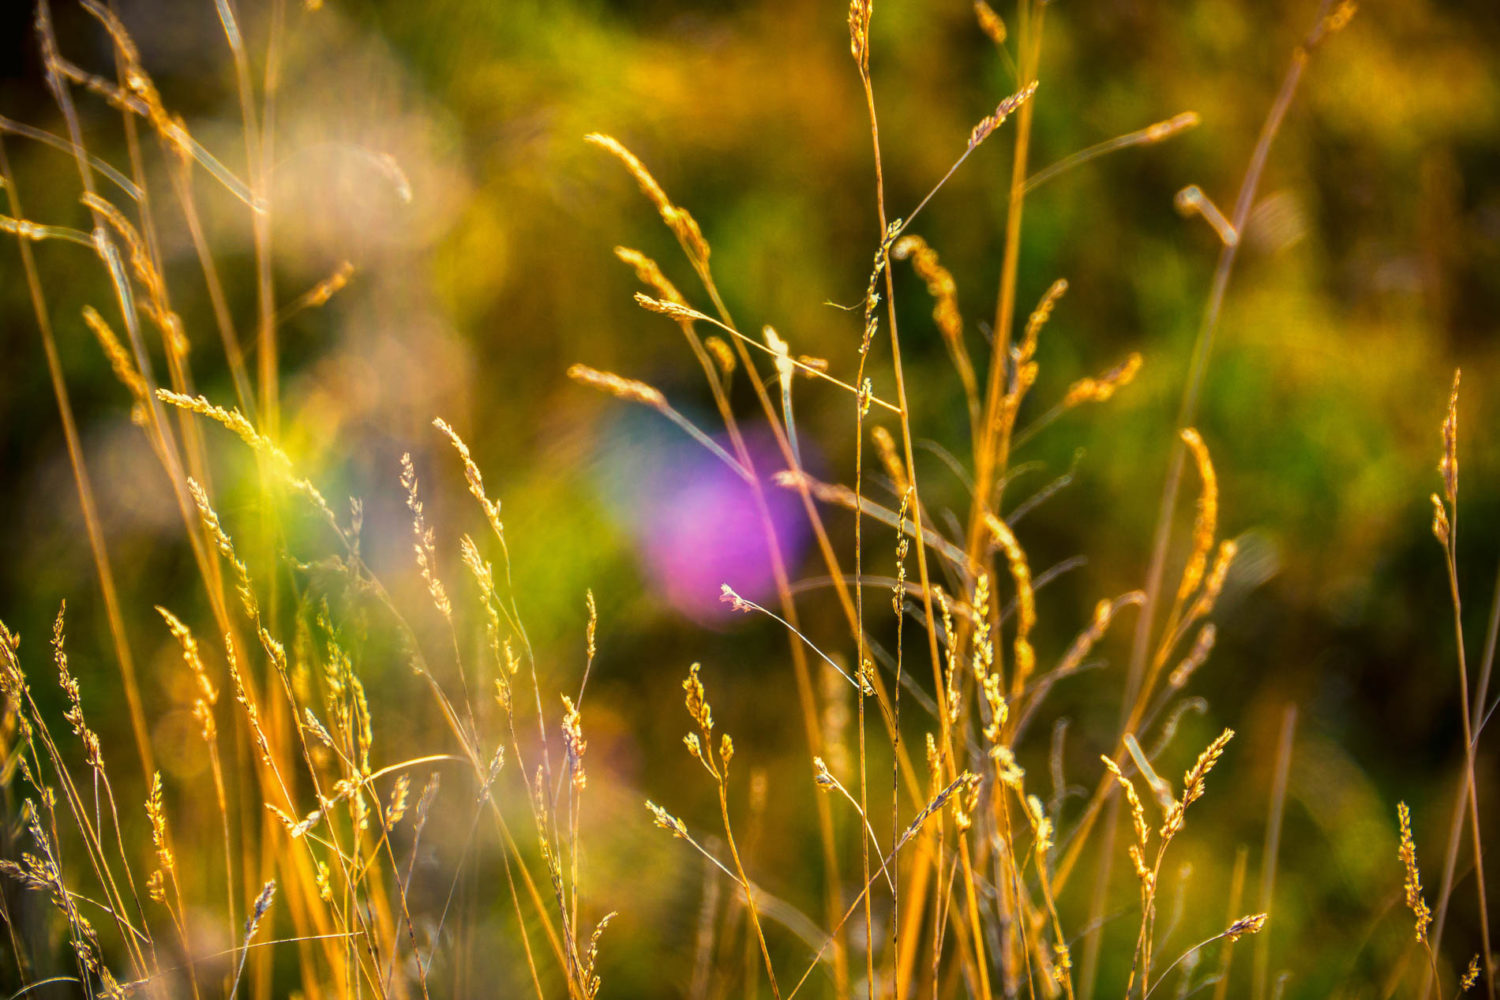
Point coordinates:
[[697, 525]]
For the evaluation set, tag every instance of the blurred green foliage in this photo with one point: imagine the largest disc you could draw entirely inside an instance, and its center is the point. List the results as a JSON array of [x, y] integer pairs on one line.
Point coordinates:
[[1369, 273]]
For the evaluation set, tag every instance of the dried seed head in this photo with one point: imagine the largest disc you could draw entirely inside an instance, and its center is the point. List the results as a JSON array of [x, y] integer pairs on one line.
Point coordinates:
[[989, 22], [1206, 524], [683, 226], [1020, 572], [1471, 976], [1039, 317], [822, 777], [944, 291], [207, 694], [157, 814], [722, 354], [424, 544], [1219, 572], [1011, 774], [1003, 110], [859, 31], [593, 626], [735, 601], [1250, 924], [726, 750], [1193, 781], [615, 385], [1097, 390], [1413, 885], [119, 358], [1339, 17], [1441, 529], [262, 904], [1202, 646], [1172, 126], [573, 742], [650, 275], [1448, 464], [472, 476], [400, 795], [649, 187], [696, 701], [667, 821], [1137, 810]]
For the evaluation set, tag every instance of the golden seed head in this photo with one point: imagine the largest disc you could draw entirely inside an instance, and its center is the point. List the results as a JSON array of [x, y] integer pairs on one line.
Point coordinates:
[[593, 626], [424, 545], [1217, 574], [1441, 529], [940, 285], [119, 358], [722, 354], [1202, 646], [1011, 774], [649, 274], [1471, 976], [615, 385], [696, 701], [472, 476], [989, 22], [1039, 317], [999, 709], [574, 743], [859, 30], [1340, 16], [667, 307], [683, 226], [1250, 924], [649, 187], [1206, 524], [399, 798], [822, 777], [157, 814], [1413, 883], [1098, 390], [726, 749], [667, 821], [934, 760], [1448, 464], [1020, 574], [1193, 781], [1003, 110], [1040, 824], [1172, 126], [1137, 810]]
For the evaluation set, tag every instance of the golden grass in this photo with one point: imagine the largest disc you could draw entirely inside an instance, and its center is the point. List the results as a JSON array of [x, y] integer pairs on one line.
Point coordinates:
[[972, 887]]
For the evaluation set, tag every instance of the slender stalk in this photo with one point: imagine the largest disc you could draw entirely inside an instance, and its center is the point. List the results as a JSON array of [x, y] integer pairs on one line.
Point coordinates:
[[1272, 847], [1461, 800], [1186, 416]]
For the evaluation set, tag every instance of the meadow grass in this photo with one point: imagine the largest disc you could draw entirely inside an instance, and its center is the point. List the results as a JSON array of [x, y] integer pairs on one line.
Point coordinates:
[[301, 863]]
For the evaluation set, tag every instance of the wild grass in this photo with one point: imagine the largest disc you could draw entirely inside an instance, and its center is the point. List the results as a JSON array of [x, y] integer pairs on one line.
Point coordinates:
[[305, 864]]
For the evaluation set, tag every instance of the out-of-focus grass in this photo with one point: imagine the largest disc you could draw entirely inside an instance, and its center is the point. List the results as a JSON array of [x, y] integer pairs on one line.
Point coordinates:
[[1365, 278]]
